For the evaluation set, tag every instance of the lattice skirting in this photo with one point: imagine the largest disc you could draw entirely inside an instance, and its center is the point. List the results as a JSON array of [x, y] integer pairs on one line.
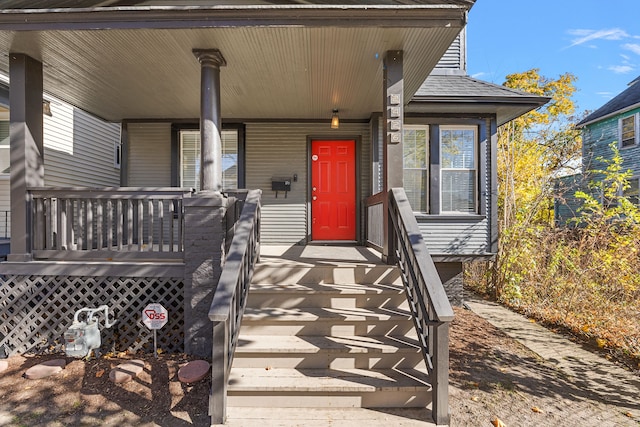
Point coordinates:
[[35, 311]]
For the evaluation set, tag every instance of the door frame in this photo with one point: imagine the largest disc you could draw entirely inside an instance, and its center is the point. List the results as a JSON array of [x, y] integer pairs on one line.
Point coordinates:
[[358, 167]]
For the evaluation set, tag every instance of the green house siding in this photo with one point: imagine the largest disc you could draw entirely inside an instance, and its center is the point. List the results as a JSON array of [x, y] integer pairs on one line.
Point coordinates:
[[596, 139]]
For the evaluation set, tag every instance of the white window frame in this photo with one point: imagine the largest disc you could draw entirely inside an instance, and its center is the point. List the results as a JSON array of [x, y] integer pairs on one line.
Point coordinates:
[[426, 168], [636, 126], [476, 148]]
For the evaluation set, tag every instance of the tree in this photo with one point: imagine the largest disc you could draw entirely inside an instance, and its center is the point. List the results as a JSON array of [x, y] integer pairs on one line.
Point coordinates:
[[532, 149]]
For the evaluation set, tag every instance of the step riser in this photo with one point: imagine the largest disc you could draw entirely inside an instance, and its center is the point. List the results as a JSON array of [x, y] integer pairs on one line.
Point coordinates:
[[379, 399], [327, 275], [332, 328], [297, 300], [325, 360]]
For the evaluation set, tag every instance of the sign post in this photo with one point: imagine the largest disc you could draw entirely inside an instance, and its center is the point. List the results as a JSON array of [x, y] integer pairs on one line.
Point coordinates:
[[155, 316]]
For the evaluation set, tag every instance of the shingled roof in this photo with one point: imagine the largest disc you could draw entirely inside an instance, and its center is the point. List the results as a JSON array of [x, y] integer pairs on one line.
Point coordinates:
[[459, 93], [628, 99]]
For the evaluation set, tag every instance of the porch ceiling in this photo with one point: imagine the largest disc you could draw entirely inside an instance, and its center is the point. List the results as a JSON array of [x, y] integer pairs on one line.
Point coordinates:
[[282, 62]]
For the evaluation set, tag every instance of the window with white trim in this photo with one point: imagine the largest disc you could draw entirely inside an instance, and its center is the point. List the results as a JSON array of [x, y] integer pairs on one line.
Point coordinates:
[[628, 131], [458, 169], [415, 166], [190, 159]]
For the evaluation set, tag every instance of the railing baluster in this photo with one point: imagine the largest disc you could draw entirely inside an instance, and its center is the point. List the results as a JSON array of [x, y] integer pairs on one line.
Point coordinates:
[[129, 224], [81, 223], [180, 225], [62, 224], [150, 216], [140, 224], [71, 232], [172, 218], [161, 220], [89, 224], [99, 225], [119, 224], [109, 225]]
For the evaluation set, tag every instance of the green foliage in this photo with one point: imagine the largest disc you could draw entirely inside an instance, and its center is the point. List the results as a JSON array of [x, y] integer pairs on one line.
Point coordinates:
[[585, 278]]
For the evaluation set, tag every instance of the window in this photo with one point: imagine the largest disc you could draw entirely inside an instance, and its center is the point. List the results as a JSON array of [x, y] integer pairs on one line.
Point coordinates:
[[458, 169], [633, 192], [415, 177], [629, 131], [190, 159]]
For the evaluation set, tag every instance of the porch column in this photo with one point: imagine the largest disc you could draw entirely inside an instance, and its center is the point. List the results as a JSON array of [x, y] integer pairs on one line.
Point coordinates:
[[392, 124], [210, 119], [26, 147]]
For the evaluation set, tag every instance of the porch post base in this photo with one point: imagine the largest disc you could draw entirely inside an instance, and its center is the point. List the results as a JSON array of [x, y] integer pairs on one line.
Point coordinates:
[[204, 217], [19, 257]]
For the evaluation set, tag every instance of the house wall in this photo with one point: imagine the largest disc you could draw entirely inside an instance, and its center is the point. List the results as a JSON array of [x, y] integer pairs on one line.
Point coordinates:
[[272, 150], [280, 150], [79, 149], [595, 143], [149, 151]]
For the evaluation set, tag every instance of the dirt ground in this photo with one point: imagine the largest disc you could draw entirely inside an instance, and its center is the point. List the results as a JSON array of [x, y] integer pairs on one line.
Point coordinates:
[[491, 376]]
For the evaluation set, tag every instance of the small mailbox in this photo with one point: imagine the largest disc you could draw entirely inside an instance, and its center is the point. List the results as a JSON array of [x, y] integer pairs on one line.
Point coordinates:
[[281, 184]]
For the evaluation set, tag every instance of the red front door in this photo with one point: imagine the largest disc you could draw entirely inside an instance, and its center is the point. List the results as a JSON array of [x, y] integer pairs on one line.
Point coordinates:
[[333, 190]]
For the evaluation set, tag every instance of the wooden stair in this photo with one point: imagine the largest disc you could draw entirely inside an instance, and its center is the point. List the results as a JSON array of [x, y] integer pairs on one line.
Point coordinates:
[[318, 335]]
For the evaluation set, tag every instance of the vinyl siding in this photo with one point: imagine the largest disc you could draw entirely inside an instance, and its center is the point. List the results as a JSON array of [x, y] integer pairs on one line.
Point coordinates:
[[445, 235], [79, 149], [276, 150], [149, 154], [596, 140], [455, 56]]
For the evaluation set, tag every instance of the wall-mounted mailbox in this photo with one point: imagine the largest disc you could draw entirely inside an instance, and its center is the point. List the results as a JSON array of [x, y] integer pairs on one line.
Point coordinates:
[[281, 184]]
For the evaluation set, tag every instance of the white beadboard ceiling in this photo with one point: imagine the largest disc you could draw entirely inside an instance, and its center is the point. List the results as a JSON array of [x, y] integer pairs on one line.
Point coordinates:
[[272, 72]]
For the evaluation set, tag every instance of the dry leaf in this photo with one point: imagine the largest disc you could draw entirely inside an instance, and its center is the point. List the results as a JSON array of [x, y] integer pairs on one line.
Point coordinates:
[[474, 398], [100, 373], [497, 422], [629, 414], [268, 368], [537, 410]]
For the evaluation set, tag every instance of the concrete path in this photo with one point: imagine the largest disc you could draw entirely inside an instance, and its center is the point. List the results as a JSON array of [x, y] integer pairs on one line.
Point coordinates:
[[590, 371]]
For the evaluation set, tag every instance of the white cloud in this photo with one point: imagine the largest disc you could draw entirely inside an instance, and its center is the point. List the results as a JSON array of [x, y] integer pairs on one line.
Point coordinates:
[[478, 75], [620, 69], [606, 95], [633, 47], [625, 57], [584, 36]]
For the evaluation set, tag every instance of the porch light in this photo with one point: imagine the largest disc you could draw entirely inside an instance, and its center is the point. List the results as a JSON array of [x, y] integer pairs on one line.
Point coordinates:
[[335, 120]]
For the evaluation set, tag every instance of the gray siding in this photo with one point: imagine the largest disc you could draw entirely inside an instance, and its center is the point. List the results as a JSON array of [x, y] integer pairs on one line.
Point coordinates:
[[455, 235], [149, 154], [79, 148], [280, 150], [455, 56]]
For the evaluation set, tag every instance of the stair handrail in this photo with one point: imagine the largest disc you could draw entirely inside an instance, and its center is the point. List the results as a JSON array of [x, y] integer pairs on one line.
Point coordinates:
[[230, 299], [428, 302]]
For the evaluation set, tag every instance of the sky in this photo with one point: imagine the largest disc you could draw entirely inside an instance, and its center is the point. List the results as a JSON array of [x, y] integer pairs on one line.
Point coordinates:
[[598, 41]]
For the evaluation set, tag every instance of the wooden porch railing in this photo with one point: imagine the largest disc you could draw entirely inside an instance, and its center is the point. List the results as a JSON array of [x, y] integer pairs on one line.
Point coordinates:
[[428, 302], [230, 299], [107, 223]]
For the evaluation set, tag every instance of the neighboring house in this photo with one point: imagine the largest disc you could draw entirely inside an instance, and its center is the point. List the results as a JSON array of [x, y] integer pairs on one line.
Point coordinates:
[[617, 121], [325, 108], [80, 150]]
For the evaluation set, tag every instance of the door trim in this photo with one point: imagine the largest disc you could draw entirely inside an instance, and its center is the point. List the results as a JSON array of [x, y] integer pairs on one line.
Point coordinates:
[[358, 147]]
